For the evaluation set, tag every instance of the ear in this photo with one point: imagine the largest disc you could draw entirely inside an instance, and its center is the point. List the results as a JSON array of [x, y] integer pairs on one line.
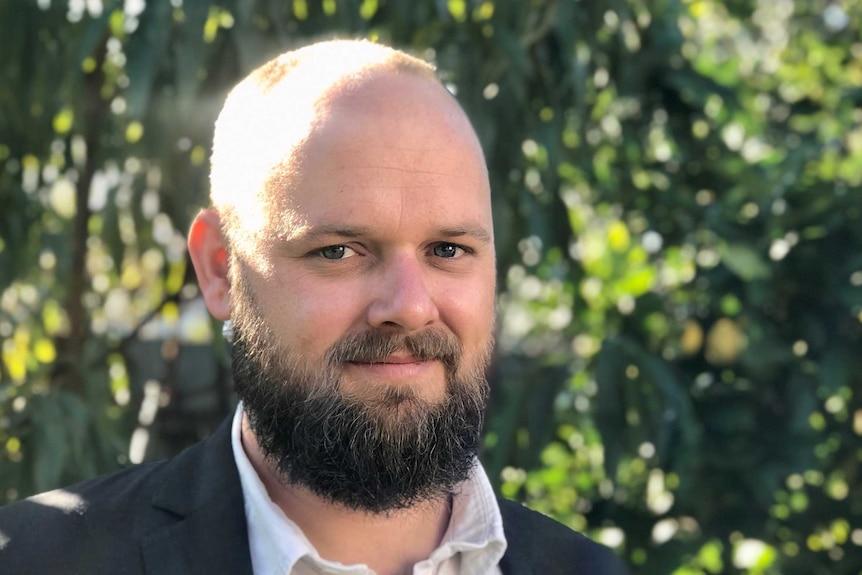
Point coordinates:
[[208, 251]]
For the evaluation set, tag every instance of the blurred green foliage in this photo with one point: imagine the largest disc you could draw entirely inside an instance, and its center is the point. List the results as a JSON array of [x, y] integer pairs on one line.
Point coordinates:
[[677, 200]]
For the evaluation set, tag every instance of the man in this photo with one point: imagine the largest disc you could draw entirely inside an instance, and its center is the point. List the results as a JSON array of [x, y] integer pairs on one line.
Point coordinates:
[[350, 243]]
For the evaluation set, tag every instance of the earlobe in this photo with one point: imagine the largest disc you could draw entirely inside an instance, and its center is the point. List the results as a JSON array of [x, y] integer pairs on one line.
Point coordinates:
[[208, 251]]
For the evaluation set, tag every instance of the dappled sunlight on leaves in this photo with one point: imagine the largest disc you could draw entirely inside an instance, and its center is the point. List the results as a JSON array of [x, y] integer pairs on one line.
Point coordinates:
[[677, 209]]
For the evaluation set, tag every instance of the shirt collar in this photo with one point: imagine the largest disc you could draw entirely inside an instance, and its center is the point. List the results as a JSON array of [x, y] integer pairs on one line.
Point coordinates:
[[277, 544]]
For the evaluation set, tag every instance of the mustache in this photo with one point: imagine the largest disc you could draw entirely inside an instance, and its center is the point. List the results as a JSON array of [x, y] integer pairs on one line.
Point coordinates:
[[375, 346]]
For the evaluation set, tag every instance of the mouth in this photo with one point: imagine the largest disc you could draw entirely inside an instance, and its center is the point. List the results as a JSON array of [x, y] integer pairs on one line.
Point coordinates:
[[395, 367], [394, 359]]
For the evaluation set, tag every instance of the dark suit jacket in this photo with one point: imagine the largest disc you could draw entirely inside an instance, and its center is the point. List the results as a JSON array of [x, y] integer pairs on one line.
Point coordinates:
[[186, 516]]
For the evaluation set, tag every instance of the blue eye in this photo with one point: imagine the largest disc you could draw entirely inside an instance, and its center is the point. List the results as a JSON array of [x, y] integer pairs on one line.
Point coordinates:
[[446, 250], [333, 252]]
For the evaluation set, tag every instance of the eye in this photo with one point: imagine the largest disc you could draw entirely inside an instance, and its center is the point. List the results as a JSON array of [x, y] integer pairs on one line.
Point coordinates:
[[338, 252], [446, 250]]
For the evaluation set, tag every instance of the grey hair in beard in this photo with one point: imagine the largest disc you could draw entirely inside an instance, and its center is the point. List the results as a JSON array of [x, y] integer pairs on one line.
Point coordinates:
[[387, 450]]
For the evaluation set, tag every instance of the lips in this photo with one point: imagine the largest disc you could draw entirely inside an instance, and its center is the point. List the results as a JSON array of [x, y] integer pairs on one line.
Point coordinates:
[[394, 359], [398, 368]]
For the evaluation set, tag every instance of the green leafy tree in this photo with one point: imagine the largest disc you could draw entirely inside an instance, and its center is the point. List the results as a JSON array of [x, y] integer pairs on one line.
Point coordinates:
[[676, 194]]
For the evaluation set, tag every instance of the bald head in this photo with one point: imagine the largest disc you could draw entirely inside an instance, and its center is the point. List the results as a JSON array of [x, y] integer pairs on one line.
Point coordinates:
[[261, 133], [352, 199]]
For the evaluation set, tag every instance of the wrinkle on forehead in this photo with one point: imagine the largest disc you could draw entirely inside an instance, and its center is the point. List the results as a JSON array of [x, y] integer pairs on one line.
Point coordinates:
[[269, 115], [334, 143], [273, 149]]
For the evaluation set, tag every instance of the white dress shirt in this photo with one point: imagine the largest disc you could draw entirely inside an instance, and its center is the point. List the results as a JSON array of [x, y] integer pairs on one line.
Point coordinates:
[[472, 545]]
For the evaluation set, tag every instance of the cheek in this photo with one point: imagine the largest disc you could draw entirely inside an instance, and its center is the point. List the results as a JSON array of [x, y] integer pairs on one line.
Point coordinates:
[[316, 314], [469, 311]]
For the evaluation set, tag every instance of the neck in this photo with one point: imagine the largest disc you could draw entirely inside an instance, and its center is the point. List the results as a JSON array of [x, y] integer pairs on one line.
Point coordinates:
[[388, 543]]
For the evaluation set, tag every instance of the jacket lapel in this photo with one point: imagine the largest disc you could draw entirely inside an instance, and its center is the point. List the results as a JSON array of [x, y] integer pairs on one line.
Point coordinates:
[[516, 560], [203, 491]]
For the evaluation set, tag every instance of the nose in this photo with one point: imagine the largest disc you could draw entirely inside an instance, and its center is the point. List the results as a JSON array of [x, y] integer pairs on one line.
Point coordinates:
[[402, 298]]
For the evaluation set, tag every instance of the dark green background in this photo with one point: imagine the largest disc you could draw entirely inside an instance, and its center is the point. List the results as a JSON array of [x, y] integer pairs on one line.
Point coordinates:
[[677, 202]]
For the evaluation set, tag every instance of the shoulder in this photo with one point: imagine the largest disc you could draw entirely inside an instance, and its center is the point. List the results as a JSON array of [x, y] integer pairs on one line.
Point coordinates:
[[538, 544], [115, 494], [85, 524], [100, 526]]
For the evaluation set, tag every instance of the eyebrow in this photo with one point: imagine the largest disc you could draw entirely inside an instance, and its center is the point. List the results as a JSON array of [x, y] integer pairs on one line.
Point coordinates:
[[311, 233], [477, 232]]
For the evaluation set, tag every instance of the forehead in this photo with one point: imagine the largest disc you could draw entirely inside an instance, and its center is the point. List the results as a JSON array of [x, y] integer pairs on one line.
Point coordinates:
[[398, 145]]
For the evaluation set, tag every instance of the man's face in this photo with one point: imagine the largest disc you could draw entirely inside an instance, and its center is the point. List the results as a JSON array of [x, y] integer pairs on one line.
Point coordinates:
[[370, 296]]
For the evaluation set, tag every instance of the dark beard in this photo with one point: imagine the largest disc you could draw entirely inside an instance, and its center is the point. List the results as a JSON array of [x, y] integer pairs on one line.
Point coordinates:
[[378, 454]]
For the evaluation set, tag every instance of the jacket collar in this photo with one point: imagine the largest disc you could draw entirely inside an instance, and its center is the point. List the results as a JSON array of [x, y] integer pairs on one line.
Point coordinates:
[[202, 489]]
